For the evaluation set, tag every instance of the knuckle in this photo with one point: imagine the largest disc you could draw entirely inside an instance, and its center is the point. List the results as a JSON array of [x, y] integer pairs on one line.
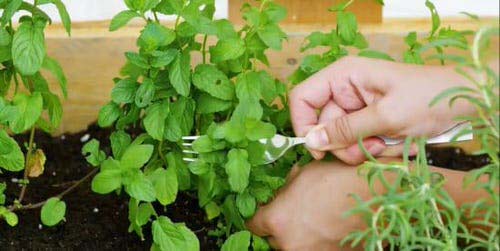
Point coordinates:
[[276, 223]]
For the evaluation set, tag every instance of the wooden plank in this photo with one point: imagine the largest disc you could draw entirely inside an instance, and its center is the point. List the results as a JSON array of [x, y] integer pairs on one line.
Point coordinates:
[[306, 12], [92, 57]]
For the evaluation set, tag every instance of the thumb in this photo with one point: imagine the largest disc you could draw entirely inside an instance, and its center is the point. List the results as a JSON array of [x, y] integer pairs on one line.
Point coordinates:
[[344, 131]]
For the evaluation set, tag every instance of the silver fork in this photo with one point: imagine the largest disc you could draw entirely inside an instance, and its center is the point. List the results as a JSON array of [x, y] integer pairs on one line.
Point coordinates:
[[277, 146]]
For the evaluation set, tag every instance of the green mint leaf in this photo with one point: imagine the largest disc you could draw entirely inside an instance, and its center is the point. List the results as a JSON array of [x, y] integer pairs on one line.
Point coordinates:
[[174, 160], [163, 58], [212, 210], [256, 153], [256, 130], [154, 121], [29, 109], [238, 169], [191, 242], [136, 156], [259, 244], [207, 104], [54, 107], [109, 178], [198, 167], [28, 48], [251, 15], [167, 235], [170, 7], [203, 144], [141, 5], [124, 91], [347, 27], [180, 74], [314, 63], [206, 185], [317, 39], [225, 29], [248, 86], [154, 36], [55, 68], [5, 53], [227, 49], [108, 114], [139, 187], [234, 132], [145, 94], [92, 153], [237, 241], [120, 140], [180, 120], [3, 186], [272, 35], [63, 13], [275, 13], [53, 212], [11, 156], [375, 54], [137, 60], [247, 109], [213, 81], [360, 42], [411, 57], [121, 19], [5, 37], [165, 185], [246, 204], [9, 10], [10, 217], [411, 39]]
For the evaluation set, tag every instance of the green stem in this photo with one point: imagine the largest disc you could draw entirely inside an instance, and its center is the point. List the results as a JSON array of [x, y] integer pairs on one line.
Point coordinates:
[[160, 152], [156, 16], [177, 21], [16, 81], [204, 49], [27, 161]]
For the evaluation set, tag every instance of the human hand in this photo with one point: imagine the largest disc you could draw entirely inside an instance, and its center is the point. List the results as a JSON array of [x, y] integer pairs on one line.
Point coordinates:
[[361, 97], [307, 213]]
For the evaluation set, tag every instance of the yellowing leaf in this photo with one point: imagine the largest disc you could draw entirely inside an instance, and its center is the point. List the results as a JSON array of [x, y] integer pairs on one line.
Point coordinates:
[[36, 163]]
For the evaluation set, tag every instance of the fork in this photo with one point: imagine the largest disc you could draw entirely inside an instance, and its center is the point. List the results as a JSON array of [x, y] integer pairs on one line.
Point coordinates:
[[278, 145]]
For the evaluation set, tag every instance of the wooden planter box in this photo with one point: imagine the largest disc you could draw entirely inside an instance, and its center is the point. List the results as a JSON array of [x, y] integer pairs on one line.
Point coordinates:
[[315, 12]]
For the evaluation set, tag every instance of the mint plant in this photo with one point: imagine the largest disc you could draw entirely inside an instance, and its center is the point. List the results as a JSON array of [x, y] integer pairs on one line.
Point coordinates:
[[225, 99], [26, 101]]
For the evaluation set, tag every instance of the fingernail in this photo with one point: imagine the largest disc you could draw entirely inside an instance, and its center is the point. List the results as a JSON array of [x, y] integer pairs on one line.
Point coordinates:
[[316, 155], [376, 149], [317, 139]]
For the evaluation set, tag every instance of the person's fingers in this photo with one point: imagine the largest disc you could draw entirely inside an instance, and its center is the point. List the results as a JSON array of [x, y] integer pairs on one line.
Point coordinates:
[[259, 224], [306, 98], [345, 131], [398, 150], [330, 112], [353, 155]]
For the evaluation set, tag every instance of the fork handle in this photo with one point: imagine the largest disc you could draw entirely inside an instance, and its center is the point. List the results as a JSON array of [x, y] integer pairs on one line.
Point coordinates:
[[445, 137]]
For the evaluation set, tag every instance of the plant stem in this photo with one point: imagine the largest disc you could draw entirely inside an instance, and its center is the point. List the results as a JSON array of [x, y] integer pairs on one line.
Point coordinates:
[[27, 161], [62, 194], [160, 152], [204, 49], [156, 16]]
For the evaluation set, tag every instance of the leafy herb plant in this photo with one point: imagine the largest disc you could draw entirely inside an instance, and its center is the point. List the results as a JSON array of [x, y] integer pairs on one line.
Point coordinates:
[[225, 98], [26, 101]]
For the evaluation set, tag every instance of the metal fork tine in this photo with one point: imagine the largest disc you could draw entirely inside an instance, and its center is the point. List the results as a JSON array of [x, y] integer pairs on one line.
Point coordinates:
[[189, 159], [189, 152], [187, 144], [190, 137]]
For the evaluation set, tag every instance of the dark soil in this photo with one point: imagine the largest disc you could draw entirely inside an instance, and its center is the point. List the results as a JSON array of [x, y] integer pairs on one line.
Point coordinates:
[[96, 222], [93, 222]]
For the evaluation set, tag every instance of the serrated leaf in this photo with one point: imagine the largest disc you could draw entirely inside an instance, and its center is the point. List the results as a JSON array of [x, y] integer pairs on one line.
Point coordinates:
[[108, 114], [257, 130], [180, 74], [167, 235], [92, 153], [121, 19], [136, 156], [155, 35], [55, 68], [272, 35], [227, 49], [137, 60], [238, 169], [54, 107], [238, 241], [29, 109], [163, 58], [9, 10], [347, 27], [213, 81], [246, 204], [28, 48], [275, 13], [165, 185], [120, 140], [140, 188], [145, 93], [154, 121], [109, 178], [124, 91], [207, 104], [53, 212], [63, 13], [11, 156]]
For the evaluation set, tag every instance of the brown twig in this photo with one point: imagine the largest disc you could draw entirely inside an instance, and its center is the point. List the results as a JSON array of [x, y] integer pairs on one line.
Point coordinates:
[[26, 167], [62, 194]]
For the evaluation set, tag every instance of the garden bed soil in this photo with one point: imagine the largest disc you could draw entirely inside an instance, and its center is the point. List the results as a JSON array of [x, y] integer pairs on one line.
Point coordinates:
[[97, 222]]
